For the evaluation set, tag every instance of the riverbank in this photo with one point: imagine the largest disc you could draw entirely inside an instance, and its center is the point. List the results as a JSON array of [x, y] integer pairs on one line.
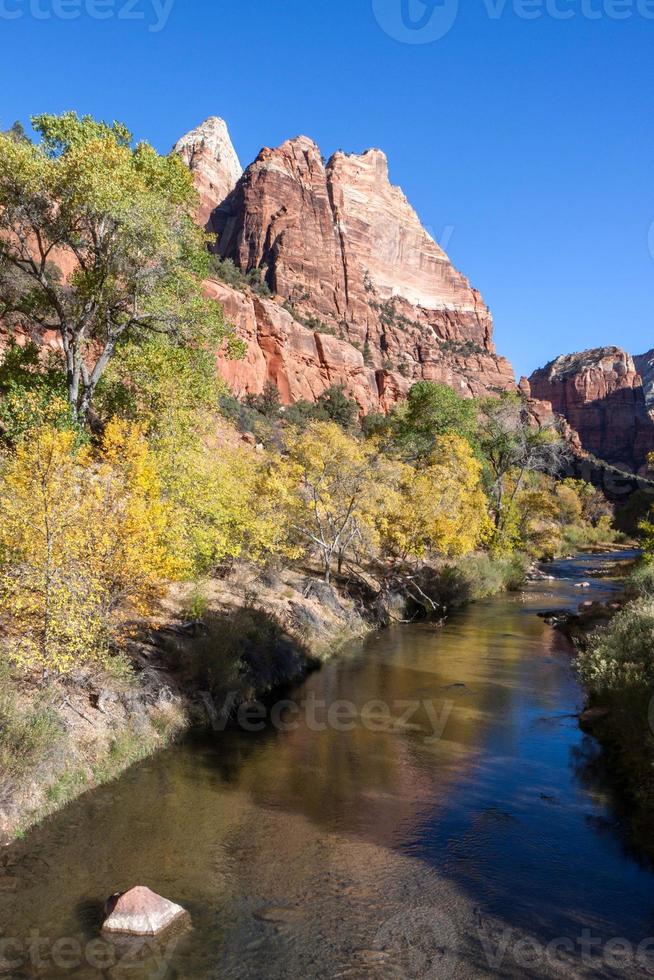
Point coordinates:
[[210, 648], [614, 641]]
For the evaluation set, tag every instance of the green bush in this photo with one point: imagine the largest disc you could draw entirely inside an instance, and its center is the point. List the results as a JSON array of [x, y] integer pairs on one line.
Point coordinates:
[[228, 272], [622, 656], [641, 581], [311, 322], [486, 576], [441, 591]]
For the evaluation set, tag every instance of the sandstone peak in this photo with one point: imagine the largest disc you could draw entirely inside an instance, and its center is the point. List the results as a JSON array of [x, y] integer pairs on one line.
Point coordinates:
[[296, 157], [372, 156], [210, 155], [346, 250], [606, 359]]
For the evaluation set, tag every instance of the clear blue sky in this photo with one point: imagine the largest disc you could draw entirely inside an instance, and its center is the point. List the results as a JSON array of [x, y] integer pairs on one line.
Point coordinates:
[[530, 142]]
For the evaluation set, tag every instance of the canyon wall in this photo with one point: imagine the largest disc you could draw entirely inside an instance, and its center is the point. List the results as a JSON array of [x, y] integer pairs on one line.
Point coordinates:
[[600, 392], [645, 367], [361, 293]]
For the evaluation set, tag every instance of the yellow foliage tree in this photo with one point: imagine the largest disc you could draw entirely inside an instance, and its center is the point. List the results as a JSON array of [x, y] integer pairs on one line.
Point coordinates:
[[82, 545], [229, 504], [331, 491], [131, 545], [439, 507]]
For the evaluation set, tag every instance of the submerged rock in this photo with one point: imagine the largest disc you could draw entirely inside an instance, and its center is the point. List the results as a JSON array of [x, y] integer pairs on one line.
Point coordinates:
[[278, 914], [591, 716], [140, 912]]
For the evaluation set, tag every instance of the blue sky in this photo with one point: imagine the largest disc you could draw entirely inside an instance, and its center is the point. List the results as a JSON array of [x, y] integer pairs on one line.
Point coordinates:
[[526, 139]]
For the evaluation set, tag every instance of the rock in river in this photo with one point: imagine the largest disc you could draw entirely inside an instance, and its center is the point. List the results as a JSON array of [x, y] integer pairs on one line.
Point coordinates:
[[140, 912]]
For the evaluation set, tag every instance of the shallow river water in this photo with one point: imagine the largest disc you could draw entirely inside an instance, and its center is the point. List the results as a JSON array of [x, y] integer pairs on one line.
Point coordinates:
[[424, 806]]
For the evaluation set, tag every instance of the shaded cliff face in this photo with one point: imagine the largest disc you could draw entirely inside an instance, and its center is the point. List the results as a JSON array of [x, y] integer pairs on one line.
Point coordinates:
[[342, 246], [210, 156], [601, 394], [645, 367]]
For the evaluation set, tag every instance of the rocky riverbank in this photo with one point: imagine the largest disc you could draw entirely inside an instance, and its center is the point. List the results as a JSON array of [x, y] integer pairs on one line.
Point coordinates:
[[612, 640], [210, 649]]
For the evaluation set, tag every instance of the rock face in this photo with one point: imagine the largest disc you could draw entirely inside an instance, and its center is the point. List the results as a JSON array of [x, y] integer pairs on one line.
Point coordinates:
[[600, 393], [645, 367], [301, 362], [209, 154], [347, 254], [141, 912]]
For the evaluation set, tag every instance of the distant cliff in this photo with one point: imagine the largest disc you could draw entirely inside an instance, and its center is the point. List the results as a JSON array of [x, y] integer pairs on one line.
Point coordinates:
[[602, 394]]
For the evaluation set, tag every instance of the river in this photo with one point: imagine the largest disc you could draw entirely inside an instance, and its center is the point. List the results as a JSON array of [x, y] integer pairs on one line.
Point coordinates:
[[424, 806]]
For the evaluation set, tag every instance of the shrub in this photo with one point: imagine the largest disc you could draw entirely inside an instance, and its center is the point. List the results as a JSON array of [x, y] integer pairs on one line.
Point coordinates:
[[375, 424], [257, 283], [228, 272], [27, 737], [268, 403], [641, 581], [311, 322], [486, 576], [338, 407], [620, 658]]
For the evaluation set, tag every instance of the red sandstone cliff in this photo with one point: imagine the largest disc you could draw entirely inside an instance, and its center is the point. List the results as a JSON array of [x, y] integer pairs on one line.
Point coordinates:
[[601, 394], [348, 255]]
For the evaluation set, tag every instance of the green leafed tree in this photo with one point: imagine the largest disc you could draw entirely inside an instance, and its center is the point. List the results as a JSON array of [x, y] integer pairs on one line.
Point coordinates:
[[431, 411], [17, 132], [512, 447], [98, 243]]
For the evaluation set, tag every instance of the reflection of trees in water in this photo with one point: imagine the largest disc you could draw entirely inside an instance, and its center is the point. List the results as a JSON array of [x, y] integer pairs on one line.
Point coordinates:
[[630, 826], [380, 784]]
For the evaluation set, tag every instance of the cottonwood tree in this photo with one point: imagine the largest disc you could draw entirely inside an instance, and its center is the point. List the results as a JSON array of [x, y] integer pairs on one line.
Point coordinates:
[[437, 508], [334, 476], [85, 541], [513, 447], [98, 243], [431, 410]]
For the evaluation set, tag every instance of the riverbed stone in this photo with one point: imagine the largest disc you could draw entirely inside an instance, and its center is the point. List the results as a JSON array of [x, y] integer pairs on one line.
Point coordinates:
[[278, 914], [592, 715], [141, 912]]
